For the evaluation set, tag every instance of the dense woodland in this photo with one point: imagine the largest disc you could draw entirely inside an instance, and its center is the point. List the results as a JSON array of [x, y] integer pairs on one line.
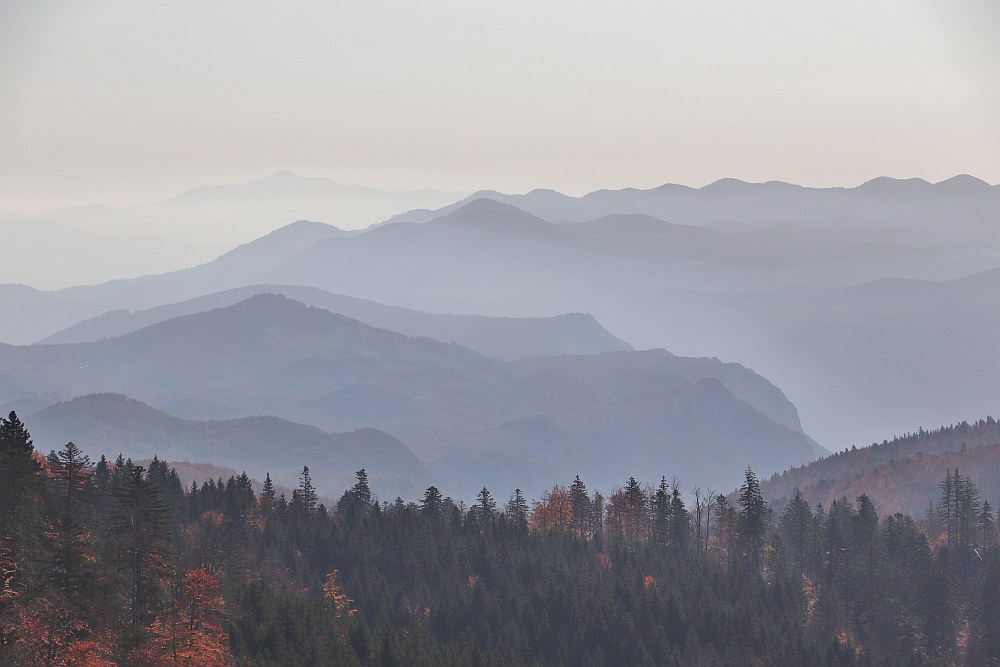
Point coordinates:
[[900, 474], [110, 563]]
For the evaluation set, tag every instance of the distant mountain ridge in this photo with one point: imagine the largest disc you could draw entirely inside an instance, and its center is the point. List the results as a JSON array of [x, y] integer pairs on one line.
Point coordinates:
[[795, 299], [503, 338], [732, 199], [626, 411], [112, 423]]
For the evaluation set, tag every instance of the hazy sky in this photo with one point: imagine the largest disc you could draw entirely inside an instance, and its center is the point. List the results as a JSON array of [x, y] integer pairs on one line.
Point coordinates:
[[115, 102]]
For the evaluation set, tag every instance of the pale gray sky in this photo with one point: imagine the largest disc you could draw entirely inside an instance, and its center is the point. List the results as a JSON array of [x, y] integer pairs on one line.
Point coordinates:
[[125, 101]]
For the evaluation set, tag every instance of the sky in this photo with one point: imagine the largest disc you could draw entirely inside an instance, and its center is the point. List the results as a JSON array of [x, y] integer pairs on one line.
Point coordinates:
[[127, 101]]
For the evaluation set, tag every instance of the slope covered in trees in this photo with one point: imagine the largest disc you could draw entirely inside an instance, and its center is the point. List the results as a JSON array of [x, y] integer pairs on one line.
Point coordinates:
[[899, 475], [113, 564]]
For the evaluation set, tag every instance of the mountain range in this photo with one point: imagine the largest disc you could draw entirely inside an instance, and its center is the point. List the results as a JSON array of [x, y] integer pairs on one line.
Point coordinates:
[[873, 203], [113, 423], [606, 415], [871, 306], [500, 337]]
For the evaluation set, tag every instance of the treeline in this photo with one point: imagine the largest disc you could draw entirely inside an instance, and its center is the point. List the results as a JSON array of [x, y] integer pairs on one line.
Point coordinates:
[[899, 474], [109, 563]]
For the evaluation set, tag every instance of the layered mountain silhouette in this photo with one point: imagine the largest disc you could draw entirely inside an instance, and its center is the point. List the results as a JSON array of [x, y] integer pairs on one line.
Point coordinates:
[[839, 295], [623, 412], [877, 201], [500, 337], [113, 423]]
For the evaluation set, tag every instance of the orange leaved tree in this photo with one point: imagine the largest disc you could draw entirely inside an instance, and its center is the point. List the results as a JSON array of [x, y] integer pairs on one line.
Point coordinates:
[[191, 633]]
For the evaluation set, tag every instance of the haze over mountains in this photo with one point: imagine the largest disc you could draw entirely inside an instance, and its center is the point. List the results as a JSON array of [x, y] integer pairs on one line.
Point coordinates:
[[880, 200], [871, 307], [259, 445], [457, 410], [95, 243], [501, 337]]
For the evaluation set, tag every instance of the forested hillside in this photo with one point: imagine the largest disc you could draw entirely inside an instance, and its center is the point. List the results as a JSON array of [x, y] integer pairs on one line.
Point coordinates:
[[115, 564], [901, 474]]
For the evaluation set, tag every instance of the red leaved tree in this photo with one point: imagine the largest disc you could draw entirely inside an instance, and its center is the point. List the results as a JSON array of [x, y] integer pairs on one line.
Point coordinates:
[[191, 633]]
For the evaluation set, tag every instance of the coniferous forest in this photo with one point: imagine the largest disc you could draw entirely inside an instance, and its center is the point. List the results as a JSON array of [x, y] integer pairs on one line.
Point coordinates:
[[111, 563]]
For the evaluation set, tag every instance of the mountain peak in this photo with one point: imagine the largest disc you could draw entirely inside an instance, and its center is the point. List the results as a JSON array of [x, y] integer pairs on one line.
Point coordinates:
[[889, 185], [963, 183], [480, 204], [489, 214], [724, 184]]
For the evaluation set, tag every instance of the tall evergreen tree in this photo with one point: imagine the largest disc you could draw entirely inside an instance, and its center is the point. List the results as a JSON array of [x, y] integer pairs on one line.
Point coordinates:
[[662, 512], [579, 501], [752, 526], [796, 527], [680, 520], [139, 524], [358, 499], [485, 508], [517, 509], [432, 504], [18, 470], [307, 496]]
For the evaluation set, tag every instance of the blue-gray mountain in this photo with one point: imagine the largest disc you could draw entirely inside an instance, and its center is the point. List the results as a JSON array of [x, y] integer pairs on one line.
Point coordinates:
[[608, 415], [790, 281], [113, 423]]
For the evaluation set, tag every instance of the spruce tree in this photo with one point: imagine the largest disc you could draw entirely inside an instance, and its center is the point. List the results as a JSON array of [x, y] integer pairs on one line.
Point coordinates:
[[752, 526], [485, 507], [579, 501], [139, 524], [432, 504]]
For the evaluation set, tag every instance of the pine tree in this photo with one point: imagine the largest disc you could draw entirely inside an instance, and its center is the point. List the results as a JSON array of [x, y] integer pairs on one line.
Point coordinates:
[[102, 475], [986, 523], [69, 565], [432, 504], [139, 524], [485, 508], [635, 511], [948, 507], [267, 492], [361, 492], [796, 527], [680, 520], [268, 499], [21, 494], [517, 509], [579, 501], [72, 475], [752, 526], [307, 496], [725, 525], [662, 509], [18, 471], [356, 501]]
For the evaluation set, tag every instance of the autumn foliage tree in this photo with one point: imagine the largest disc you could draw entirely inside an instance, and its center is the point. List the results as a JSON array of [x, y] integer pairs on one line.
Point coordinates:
[[191, 633], [553, 511]]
